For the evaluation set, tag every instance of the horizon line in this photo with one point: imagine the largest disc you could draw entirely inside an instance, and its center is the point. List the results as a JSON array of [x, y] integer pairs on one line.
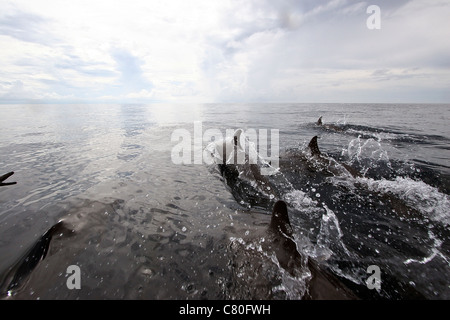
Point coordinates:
[[17, 102]]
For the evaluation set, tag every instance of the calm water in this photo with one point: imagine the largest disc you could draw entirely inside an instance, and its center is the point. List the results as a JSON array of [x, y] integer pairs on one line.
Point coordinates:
[[142, 227]]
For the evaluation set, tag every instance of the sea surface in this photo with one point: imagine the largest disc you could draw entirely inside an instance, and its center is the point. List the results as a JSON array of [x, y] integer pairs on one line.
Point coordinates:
[[140, 226]]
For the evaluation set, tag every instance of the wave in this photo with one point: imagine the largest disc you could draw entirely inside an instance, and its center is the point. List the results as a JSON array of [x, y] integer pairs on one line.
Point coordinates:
[[392, 134], [416, 194]]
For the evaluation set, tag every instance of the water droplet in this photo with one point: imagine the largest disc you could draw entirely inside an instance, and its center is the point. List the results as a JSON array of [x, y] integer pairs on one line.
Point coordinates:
[[147, 272], [184, 229]]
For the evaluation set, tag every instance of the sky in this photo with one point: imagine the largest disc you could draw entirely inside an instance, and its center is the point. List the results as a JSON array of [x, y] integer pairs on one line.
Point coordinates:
[[223, 51]]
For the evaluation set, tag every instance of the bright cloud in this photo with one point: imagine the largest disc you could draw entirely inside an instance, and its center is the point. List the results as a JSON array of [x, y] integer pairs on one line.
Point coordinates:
[[219, 51]]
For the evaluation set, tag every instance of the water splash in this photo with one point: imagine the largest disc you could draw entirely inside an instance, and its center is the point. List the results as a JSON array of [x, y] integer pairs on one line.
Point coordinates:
[[330, 235], [358, 150], [416, 194], [435, 251], [300, 201]]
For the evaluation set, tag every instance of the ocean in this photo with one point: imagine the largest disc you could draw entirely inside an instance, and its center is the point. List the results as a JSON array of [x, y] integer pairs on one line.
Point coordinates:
[[137, 225]]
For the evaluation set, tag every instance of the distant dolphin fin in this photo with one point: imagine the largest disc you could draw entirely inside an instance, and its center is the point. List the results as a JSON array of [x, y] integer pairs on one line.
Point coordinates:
[[280, 219], [314, 147], [319, 122]]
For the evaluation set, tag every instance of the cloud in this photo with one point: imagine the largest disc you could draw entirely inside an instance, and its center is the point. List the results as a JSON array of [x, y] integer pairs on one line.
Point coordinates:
[[211, 51], [328, 52], [26, 26], [131, 78], [16, 92]]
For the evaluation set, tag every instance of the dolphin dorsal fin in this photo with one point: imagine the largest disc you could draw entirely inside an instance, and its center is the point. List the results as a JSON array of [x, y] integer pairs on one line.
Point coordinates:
[[237, 136], [280, 218], [314, 147], [319, 122]]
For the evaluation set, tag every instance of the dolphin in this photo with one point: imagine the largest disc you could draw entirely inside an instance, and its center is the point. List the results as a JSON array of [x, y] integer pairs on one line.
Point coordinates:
[[315, 160], [266, 264], [241, 170], [4, 177], [322, 284], [311, 167], [21, 270], [331, 127], [307, 165], [319, 122], [332, 165]]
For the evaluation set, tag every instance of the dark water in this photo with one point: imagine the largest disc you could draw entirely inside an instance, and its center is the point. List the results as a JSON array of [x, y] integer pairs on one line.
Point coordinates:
[[141, 227]]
